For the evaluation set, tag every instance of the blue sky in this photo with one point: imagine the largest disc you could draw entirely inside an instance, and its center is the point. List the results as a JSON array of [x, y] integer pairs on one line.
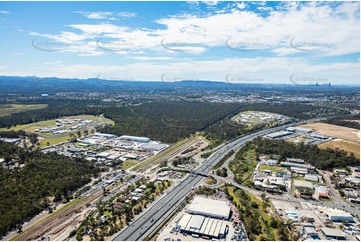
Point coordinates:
[[259, 42]]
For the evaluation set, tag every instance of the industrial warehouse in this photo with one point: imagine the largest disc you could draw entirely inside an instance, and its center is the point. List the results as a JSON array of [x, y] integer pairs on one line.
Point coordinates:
[[207, 218], [209, 207], [199, 225]]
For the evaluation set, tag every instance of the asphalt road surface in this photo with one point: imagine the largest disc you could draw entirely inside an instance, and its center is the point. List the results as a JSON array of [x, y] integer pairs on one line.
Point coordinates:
[[146, 223]]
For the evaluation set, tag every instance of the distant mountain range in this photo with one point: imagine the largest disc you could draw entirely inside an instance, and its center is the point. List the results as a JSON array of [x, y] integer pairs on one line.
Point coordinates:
[[53, 84]]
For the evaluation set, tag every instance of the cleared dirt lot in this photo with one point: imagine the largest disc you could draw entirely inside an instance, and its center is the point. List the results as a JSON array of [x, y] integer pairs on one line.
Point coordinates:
[[345, 145], [347, 139], [335, 131]]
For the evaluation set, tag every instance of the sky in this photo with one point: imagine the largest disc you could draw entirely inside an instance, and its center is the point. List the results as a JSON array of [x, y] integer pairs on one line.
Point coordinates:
[[251, 42]]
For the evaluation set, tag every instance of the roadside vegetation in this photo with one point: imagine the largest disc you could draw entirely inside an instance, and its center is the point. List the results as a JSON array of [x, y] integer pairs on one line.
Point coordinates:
[[258, 216], [210, 181], [222, 172], [244, 164], [113, 215]]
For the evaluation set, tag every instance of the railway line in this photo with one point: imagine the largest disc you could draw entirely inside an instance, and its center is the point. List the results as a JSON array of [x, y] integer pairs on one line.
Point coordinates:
[[39, 229]]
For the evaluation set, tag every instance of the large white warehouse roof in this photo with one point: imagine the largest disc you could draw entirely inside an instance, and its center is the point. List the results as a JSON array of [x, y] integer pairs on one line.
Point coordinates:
[[209, 207]]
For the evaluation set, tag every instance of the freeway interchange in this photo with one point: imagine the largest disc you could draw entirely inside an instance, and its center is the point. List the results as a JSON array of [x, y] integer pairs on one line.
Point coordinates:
[[149, 220]]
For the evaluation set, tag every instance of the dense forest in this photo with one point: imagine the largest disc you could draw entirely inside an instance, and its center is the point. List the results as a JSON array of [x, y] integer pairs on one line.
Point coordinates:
[[325, 159], [347, 121], [43, 179], [166, 121]]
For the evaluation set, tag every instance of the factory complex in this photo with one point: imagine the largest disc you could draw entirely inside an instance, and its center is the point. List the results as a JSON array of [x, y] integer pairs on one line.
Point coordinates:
[[206, 218], [109, 149]]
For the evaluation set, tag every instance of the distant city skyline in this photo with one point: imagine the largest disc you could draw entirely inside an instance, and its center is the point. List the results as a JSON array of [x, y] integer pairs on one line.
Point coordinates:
[[237, 42]]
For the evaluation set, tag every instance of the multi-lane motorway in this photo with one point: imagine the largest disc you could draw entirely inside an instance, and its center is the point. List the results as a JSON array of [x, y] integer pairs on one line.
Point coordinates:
[[147, 222]]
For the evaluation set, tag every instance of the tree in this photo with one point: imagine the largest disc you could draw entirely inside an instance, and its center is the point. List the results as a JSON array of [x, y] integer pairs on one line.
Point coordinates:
[[33, 138], [19, 228], [272, 223], [254, 204], [79, 237], [263, 196]]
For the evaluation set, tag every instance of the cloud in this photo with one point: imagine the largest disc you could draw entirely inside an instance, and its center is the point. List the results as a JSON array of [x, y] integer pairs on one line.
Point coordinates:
[[330, 29], [304, 22], [51, 63], [241, 5], [106, 15], [150, 58], [4, 12]]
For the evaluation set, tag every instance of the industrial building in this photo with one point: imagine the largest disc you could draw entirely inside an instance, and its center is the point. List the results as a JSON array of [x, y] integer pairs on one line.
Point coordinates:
[[135, 138], [202, 226], [292, 215], [302, 184], [10, 140], [333, 234], [293, 164], [311, 178], [278, 134], [321, 191], [269, 162], [339, 216], [298, 129], [310, 231], [300, 171], [106, 136], [319, 136], [153, 146], [209, 207], [294, 160]]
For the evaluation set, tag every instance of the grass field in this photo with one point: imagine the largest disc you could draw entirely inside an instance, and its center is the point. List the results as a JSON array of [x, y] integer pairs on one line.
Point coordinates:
[[349, 146], [298, 178], [129, 163], [210, 181], [8, 109], [52, 139], [271, 168]]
